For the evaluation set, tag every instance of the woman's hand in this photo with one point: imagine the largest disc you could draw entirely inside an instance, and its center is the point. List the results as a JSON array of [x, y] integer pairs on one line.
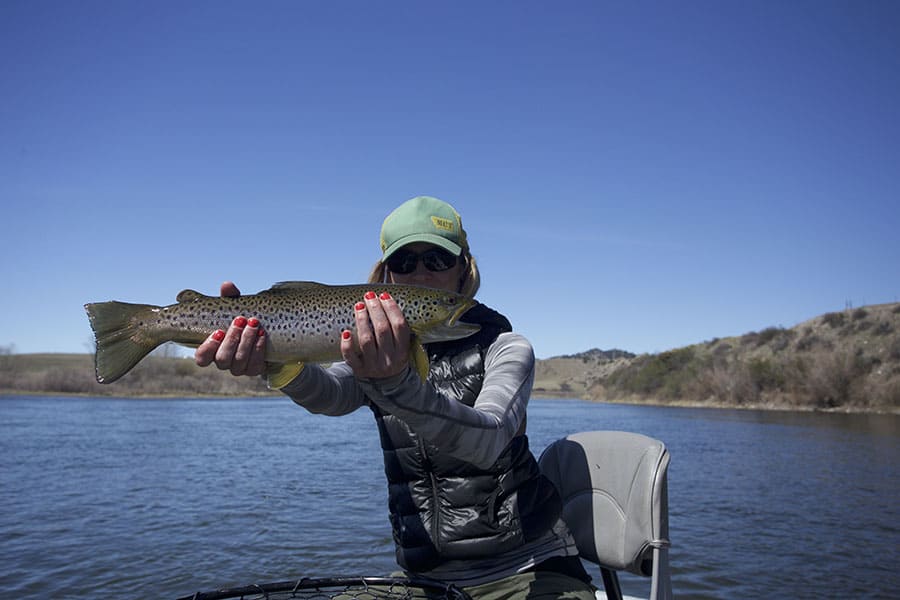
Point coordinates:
[[381, 347], [241, 349]]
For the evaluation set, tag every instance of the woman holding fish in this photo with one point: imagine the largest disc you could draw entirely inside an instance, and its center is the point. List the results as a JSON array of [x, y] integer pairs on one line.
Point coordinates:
[[467, 502]]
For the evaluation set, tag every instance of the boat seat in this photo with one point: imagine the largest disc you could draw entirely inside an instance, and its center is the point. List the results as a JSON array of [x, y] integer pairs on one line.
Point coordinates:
[[614, 490]]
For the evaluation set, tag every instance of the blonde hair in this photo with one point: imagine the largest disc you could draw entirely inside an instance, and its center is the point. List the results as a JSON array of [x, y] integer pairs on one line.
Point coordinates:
[[468, 283]]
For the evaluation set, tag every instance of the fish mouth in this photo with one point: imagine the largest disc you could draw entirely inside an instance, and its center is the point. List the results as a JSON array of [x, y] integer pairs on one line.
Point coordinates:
[[464, 306], [452, 328]]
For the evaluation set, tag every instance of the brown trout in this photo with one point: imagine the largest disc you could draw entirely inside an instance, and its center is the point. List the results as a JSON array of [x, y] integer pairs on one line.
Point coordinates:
[[303, 321]]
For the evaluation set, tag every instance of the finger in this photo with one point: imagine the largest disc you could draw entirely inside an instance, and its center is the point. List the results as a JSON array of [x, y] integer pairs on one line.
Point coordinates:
[[229, 290], [398, 322], [384, 332], [256, 365], [349, 351], [225, 353], [244, 350], [206, 352], [365, 336]]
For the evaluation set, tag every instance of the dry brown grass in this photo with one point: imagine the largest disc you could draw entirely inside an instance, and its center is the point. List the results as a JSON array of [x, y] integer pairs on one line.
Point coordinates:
[[154, 376]]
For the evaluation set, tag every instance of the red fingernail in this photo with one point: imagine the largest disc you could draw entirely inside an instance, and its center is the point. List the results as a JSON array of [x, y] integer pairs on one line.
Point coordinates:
[[345, 334], [261, 332], [218, 335], [370, 295], [253, 322], [360, 306], [385, 296], [240, 322]]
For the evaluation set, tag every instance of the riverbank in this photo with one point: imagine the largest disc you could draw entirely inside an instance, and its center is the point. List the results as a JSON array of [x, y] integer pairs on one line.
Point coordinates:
[[843, 362]]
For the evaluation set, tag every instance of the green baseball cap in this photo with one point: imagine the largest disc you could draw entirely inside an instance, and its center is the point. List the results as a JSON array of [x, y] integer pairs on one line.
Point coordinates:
[[423, 219]]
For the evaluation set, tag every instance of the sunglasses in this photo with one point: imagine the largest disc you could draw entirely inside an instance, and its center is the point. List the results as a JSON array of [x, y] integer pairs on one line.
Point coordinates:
[[435, 259]]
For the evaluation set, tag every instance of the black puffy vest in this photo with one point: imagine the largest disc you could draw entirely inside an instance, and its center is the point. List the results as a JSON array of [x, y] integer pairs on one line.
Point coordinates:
[[442, 508]]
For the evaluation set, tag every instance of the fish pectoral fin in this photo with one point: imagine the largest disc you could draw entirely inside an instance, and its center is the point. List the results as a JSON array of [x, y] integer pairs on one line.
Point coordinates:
[[279, 375], [419, 359]]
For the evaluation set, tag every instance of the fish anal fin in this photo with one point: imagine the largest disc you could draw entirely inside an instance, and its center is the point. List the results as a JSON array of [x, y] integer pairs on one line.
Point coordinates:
[[281, 374], [419, 359]]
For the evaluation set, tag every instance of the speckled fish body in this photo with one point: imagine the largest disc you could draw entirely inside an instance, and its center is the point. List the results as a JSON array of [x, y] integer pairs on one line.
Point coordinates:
[[303, 321]]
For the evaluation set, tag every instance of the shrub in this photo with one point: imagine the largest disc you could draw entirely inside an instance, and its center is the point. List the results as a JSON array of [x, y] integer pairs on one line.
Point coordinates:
[[883, 328], [730, 384], [894, 349], [808, 341], [749, 338], [834, 319], [765, 374], [833, 377], [667, 373], [768, 334]]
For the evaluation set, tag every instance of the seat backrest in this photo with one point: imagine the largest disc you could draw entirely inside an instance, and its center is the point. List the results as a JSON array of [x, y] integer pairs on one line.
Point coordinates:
[[614, 490]]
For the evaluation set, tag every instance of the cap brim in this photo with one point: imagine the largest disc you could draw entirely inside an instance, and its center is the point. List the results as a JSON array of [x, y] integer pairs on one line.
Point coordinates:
[[428, 238]]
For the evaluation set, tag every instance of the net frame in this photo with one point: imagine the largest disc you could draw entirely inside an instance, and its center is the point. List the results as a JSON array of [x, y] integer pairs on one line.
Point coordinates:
[[340, 588]]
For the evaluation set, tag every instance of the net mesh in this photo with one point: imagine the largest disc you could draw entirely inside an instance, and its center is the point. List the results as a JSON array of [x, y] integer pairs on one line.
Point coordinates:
[[341, 588]]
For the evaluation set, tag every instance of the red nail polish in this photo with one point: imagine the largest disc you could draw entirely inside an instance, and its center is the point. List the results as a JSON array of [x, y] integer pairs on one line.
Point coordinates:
[[240, 322], [370, 295], [385, 296], [253, 322], [218, 335], [360, 306], [261, 332], [345, 334]]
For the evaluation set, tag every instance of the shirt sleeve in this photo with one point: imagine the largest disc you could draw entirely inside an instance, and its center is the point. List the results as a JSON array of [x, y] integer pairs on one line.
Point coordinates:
[[476, 434], [329, 391]]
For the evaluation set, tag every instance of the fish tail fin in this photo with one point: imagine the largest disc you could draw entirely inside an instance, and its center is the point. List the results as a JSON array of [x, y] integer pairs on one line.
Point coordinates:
[[121, 342], [418, 358]]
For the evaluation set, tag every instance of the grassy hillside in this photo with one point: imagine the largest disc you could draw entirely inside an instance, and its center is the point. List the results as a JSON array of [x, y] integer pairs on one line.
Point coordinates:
[[848, 360]]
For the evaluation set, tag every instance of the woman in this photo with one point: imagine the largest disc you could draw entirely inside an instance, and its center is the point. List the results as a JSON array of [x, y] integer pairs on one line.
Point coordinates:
[[468, 504]]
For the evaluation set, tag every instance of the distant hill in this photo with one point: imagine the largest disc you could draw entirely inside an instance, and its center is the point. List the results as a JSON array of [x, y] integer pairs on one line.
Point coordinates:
[[847, 360], [575, 374]]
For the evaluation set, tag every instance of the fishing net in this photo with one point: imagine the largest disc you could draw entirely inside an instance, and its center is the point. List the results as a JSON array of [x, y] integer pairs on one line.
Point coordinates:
[[341, 588]]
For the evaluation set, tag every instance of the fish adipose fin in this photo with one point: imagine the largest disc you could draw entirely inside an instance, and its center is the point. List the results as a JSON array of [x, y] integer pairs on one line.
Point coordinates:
[[279, 375], [121, 343]]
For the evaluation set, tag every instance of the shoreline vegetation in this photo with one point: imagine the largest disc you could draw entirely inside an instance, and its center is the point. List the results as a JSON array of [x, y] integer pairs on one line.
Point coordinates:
[[847, 361]]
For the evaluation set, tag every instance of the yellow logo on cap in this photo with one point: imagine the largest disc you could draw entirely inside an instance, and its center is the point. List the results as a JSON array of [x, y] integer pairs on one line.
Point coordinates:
[[443, 224]]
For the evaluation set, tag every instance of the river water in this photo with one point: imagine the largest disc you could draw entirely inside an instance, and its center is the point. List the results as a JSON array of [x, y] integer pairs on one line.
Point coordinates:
[[161, 498]]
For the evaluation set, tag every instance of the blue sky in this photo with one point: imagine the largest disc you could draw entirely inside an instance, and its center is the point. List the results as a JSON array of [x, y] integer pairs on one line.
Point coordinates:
[[632, 175]]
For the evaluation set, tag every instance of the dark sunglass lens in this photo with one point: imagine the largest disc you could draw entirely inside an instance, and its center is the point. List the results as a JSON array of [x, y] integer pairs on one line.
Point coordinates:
[[403, 262], [438, 260]]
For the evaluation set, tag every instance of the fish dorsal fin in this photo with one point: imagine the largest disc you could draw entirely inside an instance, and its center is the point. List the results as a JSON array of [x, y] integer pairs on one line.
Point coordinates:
[[188, 296], [293, 286]]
